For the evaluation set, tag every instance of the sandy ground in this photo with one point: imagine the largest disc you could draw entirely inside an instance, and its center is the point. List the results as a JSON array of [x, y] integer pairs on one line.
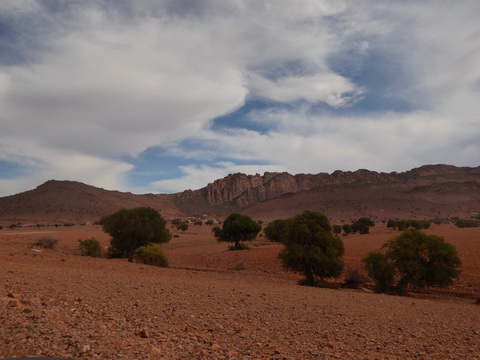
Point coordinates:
[[56, 303]]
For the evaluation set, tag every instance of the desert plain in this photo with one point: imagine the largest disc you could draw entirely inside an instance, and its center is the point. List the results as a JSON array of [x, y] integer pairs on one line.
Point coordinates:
[[212, 303]]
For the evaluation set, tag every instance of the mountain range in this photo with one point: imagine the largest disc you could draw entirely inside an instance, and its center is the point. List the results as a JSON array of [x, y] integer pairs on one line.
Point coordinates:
[[430, 191]]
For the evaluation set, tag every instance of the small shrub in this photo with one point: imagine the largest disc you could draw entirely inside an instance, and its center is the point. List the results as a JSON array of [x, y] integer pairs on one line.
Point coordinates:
[[47, 242], [176, 221], [182, 226], [354, 278], [239, 266], [240, 246], [464, 223], [151, 255], [90, 247]]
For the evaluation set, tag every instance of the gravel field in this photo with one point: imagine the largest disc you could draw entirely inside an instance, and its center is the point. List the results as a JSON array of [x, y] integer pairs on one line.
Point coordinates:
[[54, 303]]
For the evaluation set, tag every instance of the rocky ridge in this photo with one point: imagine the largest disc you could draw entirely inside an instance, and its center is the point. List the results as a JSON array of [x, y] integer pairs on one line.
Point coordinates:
[[246, 190], [429, 186]]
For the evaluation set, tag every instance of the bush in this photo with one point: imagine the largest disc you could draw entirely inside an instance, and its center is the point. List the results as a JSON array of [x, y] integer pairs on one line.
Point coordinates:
[[47, 242], [464, 223], [151, 255], [402, 225], [275, 230], [90, 247], [354, 277], [183, 226], [311, 248], [239, 266], [413, 258], [176, 221], [133, 228], [391, 224]]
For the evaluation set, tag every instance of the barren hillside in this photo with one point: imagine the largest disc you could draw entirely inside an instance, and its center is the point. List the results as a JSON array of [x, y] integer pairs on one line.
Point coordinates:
[[427, 192]]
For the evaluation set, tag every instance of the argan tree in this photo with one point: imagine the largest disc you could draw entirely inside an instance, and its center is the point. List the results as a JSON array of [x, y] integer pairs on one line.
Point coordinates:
[[414, 259], [275, 230], [311, 247], [362, 225], [133, 228], [237, 228]]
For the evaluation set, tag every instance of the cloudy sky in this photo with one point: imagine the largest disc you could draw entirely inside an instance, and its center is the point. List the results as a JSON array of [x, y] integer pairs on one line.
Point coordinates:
[[167, 95]]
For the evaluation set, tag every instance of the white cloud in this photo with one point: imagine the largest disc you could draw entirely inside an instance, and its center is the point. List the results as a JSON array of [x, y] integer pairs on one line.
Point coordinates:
[[96, 83], [328, 88]]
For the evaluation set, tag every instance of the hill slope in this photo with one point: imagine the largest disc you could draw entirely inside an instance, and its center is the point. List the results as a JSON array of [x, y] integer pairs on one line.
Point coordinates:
[[426, 192], [75, 201]]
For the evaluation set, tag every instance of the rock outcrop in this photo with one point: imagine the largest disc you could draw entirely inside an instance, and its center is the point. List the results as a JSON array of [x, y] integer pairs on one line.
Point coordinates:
[[245, 190]]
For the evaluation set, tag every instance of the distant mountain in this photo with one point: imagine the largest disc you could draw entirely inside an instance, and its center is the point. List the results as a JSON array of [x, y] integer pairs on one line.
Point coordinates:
[[74, 201], [426, 192]]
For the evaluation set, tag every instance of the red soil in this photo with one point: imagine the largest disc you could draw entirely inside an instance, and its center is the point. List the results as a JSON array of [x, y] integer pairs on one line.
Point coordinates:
[[218, 304]]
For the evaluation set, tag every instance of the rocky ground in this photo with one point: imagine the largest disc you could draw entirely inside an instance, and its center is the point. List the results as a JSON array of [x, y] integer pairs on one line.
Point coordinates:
[[218, 304]]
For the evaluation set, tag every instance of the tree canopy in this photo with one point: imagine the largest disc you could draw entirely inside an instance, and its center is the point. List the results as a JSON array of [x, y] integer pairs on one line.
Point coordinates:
[[362, 225], [275, 230], [237, 228], [311, 248], [416, 259], [133, 228]]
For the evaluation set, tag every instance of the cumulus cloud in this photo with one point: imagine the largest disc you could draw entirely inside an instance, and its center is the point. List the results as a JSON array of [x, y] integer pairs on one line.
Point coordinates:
[[85, 84], [328, 88]]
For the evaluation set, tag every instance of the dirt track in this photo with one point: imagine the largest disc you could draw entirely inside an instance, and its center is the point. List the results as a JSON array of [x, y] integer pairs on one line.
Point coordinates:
[[54, 303]]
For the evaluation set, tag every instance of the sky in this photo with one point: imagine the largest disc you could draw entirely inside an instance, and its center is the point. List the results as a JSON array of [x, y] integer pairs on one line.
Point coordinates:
[[160, 96]]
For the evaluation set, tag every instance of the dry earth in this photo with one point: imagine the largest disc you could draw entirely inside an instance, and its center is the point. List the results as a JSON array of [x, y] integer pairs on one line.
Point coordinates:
[[56, 303]]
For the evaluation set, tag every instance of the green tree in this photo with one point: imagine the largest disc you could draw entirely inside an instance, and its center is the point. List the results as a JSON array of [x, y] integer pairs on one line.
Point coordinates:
[[337, 229], [463, 223], [311, 247], [417, 259], [275, 230], [237, 228], [347, 228], [391, 224], [380, 269], [362, 225], [133, 228]]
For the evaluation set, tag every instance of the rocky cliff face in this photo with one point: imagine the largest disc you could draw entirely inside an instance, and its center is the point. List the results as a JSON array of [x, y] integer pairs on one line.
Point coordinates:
[[245, 190]]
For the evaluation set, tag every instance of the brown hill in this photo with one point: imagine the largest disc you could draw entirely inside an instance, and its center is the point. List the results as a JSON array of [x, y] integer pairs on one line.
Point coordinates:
[[426, 192], [72, 201]]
